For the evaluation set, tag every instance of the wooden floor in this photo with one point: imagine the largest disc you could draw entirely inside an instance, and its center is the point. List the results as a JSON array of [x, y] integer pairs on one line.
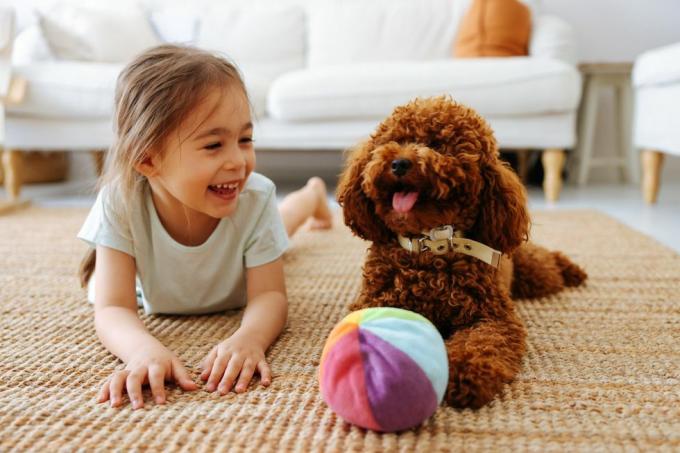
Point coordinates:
[[623, 202]]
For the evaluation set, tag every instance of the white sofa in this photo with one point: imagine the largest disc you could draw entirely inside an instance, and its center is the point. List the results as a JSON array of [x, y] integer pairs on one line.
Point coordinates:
[[321, 74], [656, 79]]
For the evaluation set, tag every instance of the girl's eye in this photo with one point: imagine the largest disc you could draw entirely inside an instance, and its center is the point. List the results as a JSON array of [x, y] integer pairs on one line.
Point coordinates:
[[215, 145], [246, 140]]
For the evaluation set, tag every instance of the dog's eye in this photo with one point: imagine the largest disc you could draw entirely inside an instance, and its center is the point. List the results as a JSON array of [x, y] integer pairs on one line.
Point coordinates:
[[434, 144]]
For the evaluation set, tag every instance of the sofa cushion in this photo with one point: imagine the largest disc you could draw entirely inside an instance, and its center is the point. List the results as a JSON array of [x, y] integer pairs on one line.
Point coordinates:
[[350, 31], [494, 86], [79, 90], [268, 41], [494, 28], [30, 45], [174, 24], [98, 34]]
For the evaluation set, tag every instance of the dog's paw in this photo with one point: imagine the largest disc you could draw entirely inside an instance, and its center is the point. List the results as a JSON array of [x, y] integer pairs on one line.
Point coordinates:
[[468, 394]]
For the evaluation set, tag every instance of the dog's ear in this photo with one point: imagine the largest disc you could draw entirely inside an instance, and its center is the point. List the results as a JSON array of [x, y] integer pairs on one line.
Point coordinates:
[[358, 210], [503, 218]]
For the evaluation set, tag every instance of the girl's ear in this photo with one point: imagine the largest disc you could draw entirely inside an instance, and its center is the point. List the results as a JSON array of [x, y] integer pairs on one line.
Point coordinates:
[[503, 219], [359, 210], [147, 166]]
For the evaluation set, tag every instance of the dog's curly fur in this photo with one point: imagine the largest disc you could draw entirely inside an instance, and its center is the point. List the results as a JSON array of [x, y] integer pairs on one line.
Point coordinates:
[[455, 169]]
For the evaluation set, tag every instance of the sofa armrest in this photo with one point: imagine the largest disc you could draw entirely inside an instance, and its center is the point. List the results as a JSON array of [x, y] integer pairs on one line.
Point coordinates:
[[6, 41], [658, 66], [552, 37]]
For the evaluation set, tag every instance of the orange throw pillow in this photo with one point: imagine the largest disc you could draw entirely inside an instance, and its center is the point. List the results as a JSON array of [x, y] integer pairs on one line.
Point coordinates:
[[494, 28]]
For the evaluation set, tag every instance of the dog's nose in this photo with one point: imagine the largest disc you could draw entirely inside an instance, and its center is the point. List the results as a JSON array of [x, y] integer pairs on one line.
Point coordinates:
[[400, 166]]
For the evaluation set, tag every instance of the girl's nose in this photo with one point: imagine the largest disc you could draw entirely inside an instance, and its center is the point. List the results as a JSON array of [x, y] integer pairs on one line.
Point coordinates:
[[234, 158]]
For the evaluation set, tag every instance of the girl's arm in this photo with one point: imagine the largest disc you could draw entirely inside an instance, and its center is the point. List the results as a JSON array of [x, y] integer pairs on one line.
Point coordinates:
[[123, 333], [264, 318]]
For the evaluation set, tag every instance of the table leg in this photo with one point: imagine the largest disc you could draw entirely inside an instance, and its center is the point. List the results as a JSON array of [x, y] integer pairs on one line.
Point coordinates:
[[625, 125], [587, 119]]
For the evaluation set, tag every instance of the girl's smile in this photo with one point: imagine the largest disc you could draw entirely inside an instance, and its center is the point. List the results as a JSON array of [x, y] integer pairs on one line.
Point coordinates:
[[227, 191]]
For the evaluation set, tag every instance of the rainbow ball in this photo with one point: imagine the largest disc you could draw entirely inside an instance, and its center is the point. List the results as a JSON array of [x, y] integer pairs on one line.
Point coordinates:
[[384, 369]]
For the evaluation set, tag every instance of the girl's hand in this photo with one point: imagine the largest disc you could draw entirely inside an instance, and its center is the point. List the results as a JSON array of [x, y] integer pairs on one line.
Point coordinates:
[[238, 356], [153, 365]]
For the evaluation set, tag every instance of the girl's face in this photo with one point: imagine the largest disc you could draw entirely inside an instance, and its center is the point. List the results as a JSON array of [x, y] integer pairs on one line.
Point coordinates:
[[206, 162]]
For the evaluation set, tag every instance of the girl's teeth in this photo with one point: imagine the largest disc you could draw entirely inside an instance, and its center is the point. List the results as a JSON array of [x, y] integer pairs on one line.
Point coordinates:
[[226, 186]]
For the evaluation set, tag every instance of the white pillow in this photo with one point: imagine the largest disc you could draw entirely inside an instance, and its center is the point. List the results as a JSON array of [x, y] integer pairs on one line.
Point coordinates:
[[267, 40], [96, 34], [347, 31], [30, 46], [176, 25]]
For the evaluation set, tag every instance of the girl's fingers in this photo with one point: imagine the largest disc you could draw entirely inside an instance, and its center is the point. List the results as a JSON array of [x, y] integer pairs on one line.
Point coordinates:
[[234, 367], [103, 394], [217, 371], [134, 387], [181, 376], [207, 364], [245, 376], [116, 387], [157, 382], [265, 372]]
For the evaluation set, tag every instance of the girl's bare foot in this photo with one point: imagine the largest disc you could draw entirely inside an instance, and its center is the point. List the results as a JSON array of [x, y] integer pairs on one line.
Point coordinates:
[[323, 217]]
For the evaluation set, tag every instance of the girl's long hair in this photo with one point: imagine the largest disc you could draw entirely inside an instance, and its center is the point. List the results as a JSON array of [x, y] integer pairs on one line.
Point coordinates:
[[154, 93]]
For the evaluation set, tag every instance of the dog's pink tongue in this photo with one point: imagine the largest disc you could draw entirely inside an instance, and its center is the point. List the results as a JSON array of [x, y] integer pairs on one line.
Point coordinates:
[[403, 201]]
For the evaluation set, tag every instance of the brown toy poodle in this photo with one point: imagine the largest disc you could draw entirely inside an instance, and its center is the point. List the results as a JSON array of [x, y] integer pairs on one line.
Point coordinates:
[[430, 193]]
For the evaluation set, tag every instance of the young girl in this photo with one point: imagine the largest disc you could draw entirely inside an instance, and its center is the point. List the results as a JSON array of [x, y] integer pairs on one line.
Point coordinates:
[[183, 225]]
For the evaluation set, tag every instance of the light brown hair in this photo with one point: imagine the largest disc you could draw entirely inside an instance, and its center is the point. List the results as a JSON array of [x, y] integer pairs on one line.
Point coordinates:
[[154, 94]]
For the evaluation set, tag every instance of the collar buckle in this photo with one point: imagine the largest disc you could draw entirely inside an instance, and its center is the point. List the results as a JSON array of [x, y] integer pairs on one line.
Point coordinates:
[[439, 241]]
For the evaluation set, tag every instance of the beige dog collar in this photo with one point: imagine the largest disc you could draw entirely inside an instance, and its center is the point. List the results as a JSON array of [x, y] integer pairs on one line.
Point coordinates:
[[444, 239]]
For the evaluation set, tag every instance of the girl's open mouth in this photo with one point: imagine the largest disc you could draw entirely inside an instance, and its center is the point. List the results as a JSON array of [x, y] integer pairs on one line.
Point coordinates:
[[225, 191]]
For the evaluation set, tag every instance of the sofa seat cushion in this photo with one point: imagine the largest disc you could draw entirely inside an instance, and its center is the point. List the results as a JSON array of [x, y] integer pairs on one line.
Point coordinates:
[[85, 90], [493, 86]]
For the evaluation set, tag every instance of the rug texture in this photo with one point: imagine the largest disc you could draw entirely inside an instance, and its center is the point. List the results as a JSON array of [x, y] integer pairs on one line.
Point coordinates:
[[602, 371]]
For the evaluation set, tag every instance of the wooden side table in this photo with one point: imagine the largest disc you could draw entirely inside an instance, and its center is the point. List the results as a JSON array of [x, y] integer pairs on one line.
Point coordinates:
[[597, 77]]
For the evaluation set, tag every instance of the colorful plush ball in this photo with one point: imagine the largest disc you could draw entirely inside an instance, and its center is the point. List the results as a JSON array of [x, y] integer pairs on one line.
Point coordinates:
[[384, 369]]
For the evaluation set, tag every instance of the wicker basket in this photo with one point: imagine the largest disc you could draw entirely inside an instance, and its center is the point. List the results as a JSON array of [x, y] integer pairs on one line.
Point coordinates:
[[41, 166]]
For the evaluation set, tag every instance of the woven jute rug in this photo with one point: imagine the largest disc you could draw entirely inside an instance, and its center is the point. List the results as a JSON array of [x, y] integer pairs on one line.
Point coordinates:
[[602, 371]]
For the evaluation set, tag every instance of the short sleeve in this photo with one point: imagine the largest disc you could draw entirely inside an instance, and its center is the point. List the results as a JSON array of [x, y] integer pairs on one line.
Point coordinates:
[[102, 227], [268, 239]]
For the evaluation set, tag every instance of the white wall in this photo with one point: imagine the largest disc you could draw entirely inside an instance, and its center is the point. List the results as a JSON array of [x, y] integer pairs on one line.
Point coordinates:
[[616, 31], [619, 30]]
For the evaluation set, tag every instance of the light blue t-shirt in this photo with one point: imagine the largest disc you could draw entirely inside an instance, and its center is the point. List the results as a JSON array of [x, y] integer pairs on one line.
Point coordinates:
[[178, 279]]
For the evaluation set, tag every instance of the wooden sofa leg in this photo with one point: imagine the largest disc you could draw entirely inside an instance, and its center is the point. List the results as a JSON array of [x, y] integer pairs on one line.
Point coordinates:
[[652, 162], [12, 164], [553, 162], [98, 157]]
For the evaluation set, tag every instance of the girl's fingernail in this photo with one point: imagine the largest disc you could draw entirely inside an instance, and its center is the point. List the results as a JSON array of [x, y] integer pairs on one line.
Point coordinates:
[[159, 400]]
